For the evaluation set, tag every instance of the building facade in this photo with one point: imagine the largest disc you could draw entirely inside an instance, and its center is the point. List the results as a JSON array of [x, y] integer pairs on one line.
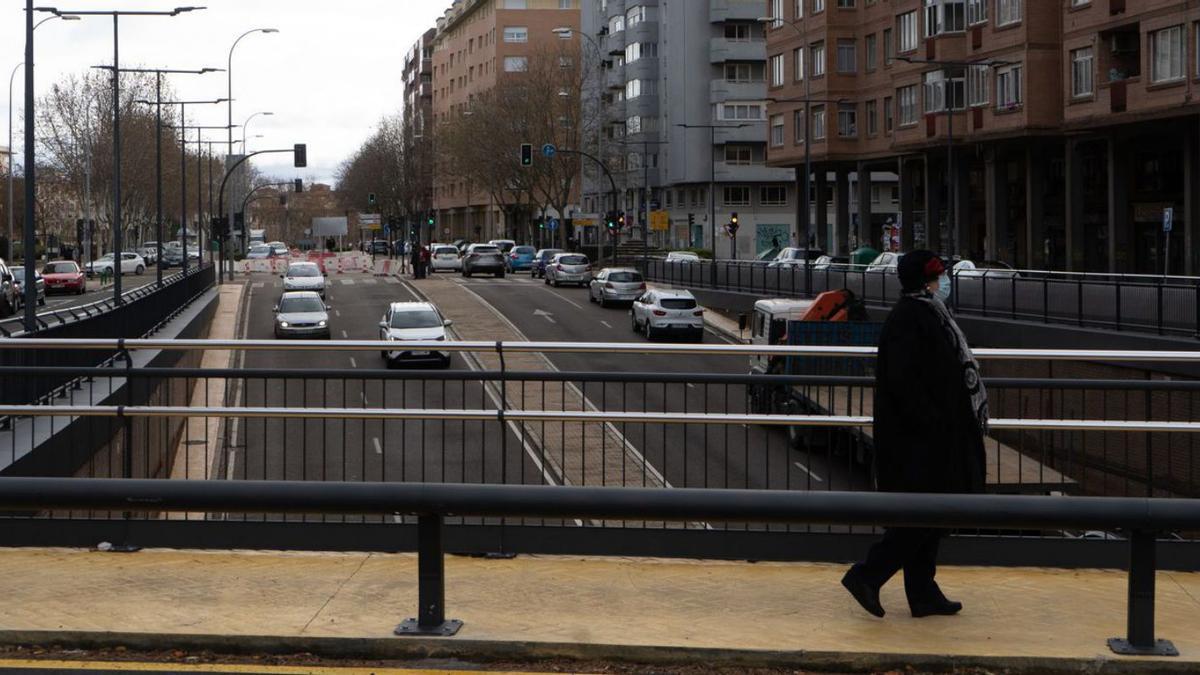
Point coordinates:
[[1044, 133], [418, 83]]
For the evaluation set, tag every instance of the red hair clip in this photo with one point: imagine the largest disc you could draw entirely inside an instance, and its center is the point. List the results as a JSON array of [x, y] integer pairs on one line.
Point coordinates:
[[934, 267]]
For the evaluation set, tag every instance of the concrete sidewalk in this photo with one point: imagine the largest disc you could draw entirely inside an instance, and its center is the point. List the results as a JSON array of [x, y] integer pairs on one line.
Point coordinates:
[[699, 612]]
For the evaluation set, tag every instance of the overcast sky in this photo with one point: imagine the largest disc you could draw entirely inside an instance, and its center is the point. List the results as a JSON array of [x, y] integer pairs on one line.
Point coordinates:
[[331, 72]]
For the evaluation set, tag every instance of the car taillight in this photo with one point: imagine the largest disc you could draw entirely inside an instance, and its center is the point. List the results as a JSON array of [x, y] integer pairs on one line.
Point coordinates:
[[659, 312], [698, 312], [513, 256], [608, 285], [558, 267]]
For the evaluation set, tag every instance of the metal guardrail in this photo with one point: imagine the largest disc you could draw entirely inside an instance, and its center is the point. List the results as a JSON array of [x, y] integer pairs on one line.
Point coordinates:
[[431, 503]]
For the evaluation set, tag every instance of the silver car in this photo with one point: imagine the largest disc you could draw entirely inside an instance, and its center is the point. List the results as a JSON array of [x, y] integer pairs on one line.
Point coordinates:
[[569, 268], [616, 285], [304, 276], [301, 314], [483, 258], [39, 285], [661, 312], [413, 322]]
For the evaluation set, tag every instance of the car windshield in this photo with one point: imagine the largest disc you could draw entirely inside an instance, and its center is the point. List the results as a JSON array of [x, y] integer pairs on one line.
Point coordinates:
[[445, 250], [260, 249], [303, 271], [60, 268], [625, 277], [523, 250], [105, 257], [485, 249], [573, 260], [677, 303], [301, 304], [418, 318]]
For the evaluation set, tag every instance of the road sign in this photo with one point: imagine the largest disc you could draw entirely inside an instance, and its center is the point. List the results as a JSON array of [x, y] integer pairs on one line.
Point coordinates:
[[584, 222], [660, 220], [552, 224], [1168, 218], [549, 150]]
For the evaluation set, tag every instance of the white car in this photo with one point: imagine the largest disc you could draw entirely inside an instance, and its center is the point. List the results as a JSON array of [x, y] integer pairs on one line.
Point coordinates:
[[662, 312], [444, 257], [794, 257], [988, 268], [682, 257], [149, 252], [278, 247], [505, 245], [413, 321], [131, 263], [885, 262], [304, 276], [618, 284]]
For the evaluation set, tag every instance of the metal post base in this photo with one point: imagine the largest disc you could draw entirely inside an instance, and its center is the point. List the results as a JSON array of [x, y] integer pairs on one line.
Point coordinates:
[[1125, 648], [444, 629]]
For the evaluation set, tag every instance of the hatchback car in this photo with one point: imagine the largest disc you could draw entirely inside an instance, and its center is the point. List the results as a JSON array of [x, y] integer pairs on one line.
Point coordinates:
[[64, 276], [660, 313], [885, 262], [444, 257], [304, 276], [682, 257], [38, 283], [379, 247], [483, 258], [569, 268], [278, 247], [301, 314], [992, 269], [413, 322], [795, 257], [616, 285], [260, 252], [537, 267], [130, 263], [505, 245], [519, 258]]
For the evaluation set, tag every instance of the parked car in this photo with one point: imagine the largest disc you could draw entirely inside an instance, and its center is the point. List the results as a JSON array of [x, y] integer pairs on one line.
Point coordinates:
[[619, 284], [278, 247], [379, 247], [666, 312], [885, 263], [64, 276], [682, 257], [538, 267], [569, 268], [483, 258], [992, 269], [304, 276], [130, 263], [301, 314], [413, 321], [505, 245], [444, 257], [794, 257], [39, 284], [462, 245], [149, 252], [519, 258], [260, 252], [8, 290]]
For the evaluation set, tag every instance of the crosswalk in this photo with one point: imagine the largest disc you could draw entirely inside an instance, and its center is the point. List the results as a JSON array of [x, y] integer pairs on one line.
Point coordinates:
[[346, 281], [490, 281]]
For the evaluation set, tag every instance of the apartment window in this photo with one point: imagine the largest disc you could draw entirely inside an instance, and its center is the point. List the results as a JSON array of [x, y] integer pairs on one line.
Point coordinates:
[[737, 195], [847, 120], [798, 63], [1008, 87], [616, 24], [772, 195], [977, 85], [1082, 72], [906, 97], [565, 4], [516, 64], [889, 47], [871, 110], [777, 13], [798, 126], [741, 111], [639, 14], [636, 88], [777, 70], [906, 27], [847, 56], [889, 122], [1007, 12], [739, 155], [818, 122], [514, 4], [818, 59], [944, 16], [942, 91], [565, 62], [818, 6], [640, 50], [739, 32], [977, 11], [633, 125], [1167, 54], [776, 131], [870, 49], [740, 72], [797, 9], [516, 34]]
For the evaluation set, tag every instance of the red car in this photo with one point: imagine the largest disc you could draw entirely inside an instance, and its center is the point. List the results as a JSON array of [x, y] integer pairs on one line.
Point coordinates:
[[64, 276]]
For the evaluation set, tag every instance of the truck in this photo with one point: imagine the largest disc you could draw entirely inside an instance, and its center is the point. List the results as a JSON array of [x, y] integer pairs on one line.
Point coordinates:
[[258, 237]]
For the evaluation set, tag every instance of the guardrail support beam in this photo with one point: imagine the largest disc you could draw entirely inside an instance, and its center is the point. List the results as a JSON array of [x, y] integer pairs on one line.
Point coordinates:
[[431, 582], [1139, 640]]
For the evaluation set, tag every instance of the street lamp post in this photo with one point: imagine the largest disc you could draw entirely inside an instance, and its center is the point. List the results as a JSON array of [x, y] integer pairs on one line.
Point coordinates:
[[183, 143], [566, 33], [712, 183], [229, 94], [247, 123]]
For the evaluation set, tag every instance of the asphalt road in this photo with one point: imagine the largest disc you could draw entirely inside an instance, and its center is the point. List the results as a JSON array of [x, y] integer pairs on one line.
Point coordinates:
[[61, 301]]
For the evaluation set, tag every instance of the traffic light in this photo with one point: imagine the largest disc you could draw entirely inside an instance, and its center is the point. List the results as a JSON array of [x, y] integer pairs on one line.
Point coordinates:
[[430, 221], [691, 219], [371, 199], [526, 154], [610, 220], [732, 228], [300, 155], [621, 221]]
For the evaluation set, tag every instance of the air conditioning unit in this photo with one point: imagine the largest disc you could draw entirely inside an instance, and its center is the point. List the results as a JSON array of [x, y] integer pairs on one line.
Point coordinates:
[[1123, 42]]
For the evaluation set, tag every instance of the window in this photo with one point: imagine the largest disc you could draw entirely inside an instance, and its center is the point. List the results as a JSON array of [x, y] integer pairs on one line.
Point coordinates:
[[565, 4], [740, 72], [776, 131], [777, 13], [1008, 87], [906, 27], [1007, 11], [889, 122], [616, 24], [847, 120], [871, 110], [737, 195], [640, 50], [633, 125], [847, 56], [940, 91], [639, 14], [977, 85], [514, 4], [565, 62], [772, 195], [798, 126], [636, 88], [798, 9], [516, 34], [976, 11], [777, 70], [818, 122], [798, 63], [739, 32], [889, 47], [741, 111], [739, 155], [516, 64], [943, 16], [1082, 72], [870, 49], [845, 4], [1167, 54], [818, 6], [818, 59], [907, 99]]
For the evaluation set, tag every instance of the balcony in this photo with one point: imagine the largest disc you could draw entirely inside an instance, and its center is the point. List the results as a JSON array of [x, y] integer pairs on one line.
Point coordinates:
[[721, 50], [756, 173], [756, 132], [734, 10], [614, 78], [721, 90]]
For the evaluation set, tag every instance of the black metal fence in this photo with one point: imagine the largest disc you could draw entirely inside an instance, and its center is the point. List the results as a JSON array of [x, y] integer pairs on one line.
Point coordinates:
[[1162, 305]]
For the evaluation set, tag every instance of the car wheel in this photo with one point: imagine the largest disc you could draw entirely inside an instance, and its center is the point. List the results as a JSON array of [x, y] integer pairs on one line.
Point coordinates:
[[546, 280], [650, 332], [603, 302], [590, 298], [82, 289], [467, 273], [633, 319], [139, 270]]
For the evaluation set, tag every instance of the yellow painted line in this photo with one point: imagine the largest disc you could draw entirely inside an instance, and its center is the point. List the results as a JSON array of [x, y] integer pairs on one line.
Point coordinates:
[[150, 667]]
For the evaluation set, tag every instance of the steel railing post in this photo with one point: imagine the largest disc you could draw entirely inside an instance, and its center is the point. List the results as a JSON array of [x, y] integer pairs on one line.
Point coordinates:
[[1012, 287], [1117, 304], [1160, 307], [431, 583], [1079, 301], [1196, 317], [1139, 639]]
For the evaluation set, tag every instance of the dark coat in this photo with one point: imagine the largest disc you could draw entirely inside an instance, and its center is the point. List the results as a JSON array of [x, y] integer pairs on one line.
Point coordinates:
[[926, 436]]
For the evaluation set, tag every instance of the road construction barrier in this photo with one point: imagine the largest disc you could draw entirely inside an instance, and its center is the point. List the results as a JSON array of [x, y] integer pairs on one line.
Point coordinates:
[[386, 267]]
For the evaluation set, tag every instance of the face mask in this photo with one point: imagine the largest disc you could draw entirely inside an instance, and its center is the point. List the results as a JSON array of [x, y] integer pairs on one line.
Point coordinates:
[[943, 289]]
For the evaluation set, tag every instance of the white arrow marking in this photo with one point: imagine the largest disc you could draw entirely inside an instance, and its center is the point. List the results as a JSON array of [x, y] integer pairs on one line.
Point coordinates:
[[544, 314]]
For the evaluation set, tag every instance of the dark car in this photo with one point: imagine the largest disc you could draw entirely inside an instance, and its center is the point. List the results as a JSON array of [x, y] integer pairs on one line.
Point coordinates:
[[537, 269], [379, 247]]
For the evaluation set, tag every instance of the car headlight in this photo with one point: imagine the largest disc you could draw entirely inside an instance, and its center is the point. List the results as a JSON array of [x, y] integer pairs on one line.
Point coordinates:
[[322, 324], [283, 324]]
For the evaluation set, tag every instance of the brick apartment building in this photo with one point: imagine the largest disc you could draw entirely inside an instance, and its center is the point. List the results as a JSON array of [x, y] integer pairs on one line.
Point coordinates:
[[478, 43], [1072, 124]]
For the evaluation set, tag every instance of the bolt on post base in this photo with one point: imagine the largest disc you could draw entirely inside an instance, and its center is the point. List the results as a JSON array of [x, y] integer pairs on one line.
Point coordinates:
[[446, 628], [1126, 648]]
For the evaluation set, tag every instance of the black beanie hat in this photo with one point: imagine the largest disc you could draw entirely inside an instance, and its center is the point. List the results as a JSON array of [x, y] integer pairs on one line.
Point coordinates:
[[918, 268]]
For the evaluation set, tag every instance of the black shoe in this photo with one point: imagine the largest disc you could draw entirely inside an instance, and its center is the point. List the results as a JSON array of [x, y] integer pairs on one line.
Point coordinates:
[[941, 607], [866, 594]]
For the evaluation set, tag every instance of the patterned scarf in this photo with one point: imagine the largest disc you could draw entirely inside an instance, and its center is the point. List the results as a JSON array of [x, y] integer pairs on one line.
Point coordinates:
[[971, 377]]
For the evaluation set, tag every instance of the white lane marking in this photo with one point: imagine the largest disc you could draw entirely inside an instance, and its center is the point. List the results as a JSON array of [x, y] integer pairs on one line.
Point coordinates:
[[606, 324], [344, 335], [563, 298], [258, 284], [545, 315], [378, 447], [353, 363], [369, 282], [391, 280], [691, 386], [347, 282], [413, 293], [336, 313], [806, 470]]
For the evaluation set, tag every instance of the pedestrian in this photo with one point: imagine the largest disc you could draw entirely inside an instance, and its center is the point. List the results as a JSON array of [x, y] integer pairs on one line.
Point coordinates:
[[775, 242], [931, 413]]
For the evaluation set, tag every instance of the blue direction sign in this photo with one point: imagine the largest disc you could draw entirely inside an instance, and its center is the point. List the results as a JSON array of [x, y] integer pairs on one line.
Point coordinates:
[[1168, 219], [552, 224], [549, 150]]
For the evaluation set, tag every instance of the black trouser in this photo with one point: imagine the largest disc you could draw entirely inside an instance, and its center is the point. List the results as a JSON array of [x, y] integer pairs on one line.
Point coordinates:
[[913, 550]]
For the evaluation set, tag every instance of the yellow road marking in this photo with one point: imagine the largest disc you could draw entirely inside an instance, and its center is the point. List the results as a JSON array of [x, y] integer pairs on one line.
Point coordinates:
[[149, 667]]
